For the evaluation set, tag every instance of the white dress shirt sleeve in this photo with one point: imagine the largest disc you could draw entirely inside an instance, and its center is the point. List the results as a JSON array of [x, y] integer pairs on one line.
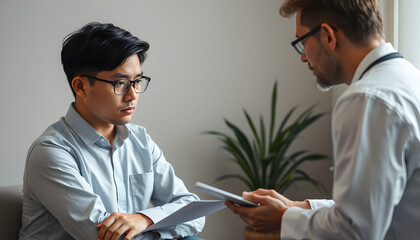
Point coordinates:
[[369, 177]]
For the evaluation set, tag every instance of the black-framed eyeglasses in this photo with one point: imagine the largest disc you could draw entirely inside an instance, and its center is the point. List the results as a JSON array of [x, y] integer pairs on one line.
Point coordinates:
[[298, 44], [121, 86]]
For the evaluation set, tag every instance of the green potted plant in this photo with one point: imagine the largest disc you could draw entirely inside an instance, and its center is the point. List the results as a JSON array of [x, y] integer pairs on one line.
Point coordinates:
[[263, 157]]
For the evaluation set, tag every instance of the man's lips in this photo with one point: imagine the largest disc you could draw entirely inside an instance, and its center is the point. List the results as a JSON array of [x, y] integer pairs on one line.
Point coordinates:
[[312, 70], [128, 110]]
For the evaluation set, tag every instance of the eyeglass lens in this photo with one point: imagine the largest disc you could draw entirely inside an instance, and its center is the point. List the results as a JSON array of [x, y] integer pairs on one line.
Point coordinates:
[[122, 86], [299, 47]]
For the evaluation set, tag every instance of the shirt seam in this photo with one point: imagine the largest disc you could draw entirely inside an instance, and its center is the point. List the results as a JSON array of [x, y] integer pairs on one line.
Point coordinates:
[[387, 104]]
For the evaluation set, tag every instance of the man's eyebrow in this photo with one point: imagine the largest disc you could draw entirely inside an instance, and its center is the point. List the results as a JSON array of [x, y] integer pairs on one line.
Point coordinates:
[[122, 75]]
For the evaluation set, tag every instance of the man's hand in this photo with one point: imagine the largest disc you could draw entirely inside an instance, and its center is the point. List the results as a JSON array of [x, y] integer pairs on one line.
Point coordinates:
[[267, 217], [119, 223]]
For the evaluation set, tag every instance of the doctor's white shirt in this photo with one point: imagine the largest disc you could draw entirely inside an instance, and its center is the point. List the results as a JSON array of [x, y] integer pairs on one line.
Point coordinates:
[[376, 141]]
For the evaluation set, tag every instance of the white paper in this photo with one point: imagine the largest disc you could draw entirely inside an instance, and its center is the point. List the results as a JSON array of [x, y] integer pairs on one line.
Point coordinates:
[[222, 194], [190, 212]]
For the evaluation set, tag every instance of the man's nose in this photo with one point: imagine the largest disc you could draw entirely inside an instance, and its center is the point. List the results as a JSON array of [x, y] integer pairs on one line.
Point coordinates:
[[131, 93], [303, 58]]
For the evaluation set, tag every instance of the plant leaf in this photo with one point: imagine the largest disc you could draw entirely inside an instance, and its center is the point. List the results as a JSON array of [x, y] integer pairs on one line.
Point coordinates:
[[262, 157], [256, 164], [304, 177], [241, 137], [242, 162], [281, 165], [284, 181], [297, 163], [262, 132], [283, 123], [273, 111], [254, 131]]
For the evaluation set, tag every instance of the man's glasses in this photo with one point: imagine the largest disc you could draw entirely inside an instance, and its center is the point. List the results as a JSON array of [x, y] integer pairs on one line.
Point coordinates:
[[122, 86], [298, 44]]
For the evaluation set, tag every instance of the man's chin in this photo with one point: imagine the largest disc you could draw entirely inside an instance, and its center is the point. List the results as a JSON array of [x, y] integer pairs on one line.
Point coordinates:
[[121, 122], [323, 87]]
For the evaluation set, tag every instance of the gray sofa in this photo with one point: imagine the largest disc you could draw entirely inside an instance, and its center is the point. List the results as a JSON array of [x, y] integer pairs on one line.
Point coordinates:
[[10, 212]]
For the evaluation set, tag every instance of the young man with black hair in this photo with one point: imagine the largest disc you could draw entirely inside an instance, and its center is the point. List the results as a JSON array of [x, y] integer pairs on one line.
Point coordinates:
[[93, 175], [375, 130]]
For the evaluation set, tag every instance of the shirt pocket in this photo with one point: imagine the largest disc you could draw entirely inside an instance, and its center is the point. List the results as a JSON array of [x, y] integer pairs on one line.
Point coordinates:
[[141, 186]]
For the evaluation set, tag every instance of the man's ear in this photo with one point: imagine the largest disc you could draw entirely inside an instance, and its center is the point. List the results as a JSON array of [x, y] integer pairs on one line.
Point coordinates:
[[79, 86], [328, 36]]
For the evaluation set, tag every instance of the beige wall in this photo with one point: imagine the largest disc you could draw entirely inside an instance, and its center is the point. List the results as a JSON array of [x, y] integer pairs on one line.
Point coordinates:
[[208, 60]]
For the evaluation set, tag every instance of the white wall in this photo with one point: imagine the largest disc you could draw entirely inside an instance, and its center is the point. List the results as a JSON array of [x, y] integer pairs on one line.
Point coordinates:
[[208, 60], [409, 31]]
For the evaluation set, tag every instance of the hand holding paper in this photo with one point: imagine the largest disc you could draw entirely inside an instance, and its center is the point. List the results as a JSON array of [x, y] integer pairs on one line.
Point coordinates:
[[190, 212]]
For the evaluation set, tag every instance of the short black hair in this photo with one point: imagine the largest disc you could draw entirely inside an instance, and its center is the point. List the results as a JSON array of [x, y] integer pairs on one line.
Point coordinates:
[[99, 47]]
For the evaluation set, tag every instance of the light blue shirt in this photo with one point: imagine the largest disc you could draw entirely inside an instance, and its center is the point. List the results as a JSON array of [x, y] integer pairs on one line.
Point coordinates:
[[376, 137], [74, 180]]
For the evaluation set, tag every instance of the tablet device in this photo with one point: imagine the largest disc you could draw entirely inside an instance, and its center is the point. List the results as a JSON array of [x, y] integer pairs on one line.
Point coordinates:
[[224, 195]]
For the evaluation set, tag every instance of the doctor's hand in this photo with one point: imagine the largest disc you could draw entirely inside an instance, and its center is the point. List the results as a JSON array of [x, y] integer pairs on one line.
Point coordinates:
[[268, 216], [118, 224]]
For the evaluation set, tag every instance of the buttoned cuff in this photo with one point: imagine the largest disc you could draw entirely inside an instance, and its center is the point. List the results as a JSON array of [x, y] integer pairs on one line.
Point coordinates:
[[156, 214], [320, 203], [294, 222]]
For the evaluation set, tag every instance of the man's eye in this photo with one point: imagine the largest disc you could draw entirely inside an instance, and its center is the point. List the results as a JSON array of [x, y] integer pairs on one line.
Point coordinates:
[[121, 82], [137, 81]]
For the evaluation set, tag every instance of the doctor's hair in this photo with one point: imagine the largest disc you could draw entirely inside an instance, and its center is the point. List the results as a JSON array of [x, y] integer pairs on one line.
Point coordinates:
[[360, 20], [98, 47]]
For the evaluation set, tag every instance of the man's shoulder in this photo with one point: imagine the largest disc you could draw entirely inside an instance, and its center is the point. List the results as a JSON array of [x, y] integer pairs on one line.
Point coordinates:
[[396, 81], [55, 130], [392, 89], [55, 135]]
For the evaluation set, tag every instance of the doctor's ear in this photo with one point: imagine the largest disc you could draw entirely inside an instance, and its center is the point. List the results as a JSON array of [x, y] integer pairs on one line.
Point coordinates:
[[329, 35]]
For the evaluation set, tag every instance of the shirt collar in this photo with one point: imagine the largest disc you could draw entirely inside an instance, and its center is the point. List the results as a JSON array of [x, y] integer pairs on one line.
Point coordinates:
[[122, 131], [86, 132], [376, 53]]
